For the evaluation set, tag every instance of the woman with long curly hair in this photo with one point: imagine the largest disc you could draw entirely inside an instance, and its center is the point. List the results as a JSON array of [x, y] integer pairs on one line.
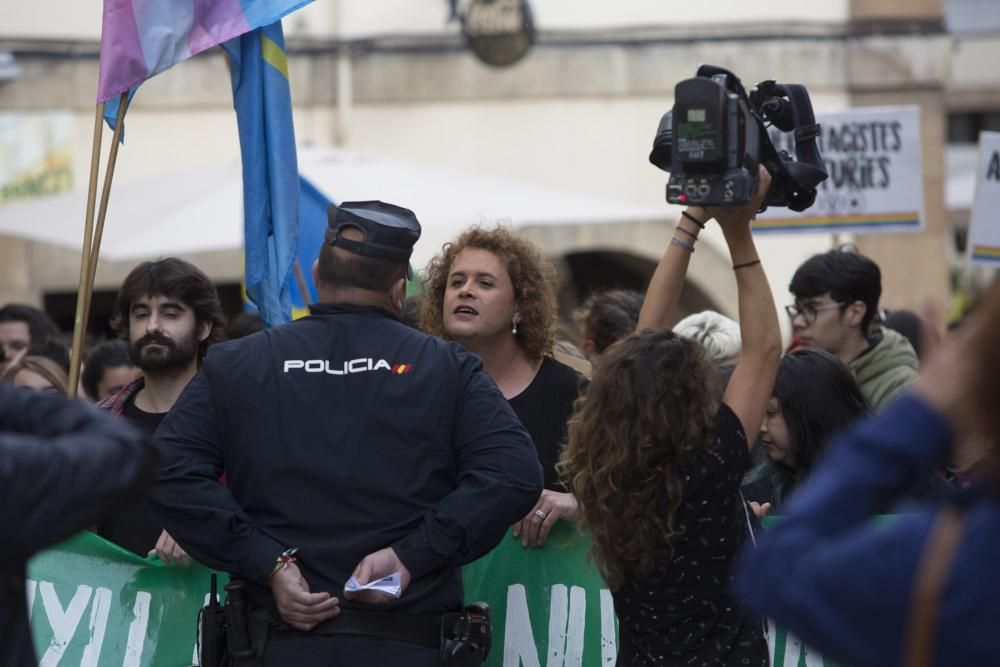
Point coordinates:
[[495, 294], [656, 462]]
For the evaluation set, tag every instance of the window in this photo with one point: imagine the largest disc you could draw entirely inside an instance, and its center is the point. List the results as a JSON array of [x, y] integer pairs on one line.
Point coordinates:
[[964, 127]]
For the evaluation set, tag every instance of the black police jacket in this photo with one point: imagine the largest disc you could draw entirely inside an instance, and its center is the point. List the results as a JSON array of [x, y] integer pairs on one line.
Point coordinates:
[[341, 434], [64, 465]]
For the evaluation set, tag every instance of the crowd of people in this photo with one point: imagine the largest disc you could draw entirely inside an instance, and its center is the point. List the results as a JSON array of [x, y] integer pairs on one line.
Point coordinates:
[[385, 437]]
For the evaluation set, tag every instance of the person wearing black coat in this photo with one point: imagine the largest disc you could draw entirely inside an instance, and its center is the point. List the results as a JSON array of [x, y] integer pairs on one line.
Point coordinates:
[[63, 466]]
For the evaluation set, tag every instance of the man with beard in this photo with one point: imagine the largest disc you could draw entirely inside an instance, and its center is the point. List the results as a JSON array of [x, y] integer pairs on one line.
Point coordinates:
[[168, 312]]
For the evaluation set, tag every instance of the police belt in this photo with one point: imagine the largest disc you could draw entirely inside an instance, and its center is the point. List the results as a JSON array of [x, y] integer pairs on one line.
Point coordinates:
[[420, 629]]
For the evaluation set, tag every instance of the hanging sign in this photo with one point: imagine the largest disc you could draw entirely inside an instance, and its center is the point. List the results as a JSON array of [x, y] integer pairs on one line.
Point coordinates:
[[499, 32]]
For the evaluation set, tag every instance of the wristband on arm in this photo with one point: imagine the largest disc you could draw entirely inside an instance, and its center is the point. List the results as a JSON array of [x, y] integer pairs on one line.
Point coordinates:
[[693, 219], [286, 558]]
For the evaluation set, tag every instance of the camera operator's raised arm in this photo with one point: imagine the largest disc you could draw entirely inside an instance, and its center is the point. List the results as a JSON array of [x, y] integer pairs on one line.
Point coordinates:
[[749, 388], [664, 291]]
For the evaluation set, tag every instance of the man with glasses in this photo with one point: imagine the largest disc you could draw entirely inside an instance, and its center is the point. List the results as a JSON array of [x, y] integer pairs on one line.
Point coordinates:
[[836, 303]]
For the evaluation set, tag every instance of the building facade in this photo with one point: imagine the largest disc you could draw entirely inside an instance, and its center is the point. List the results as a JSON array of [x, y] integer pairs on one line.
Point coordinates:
[[576, 115]]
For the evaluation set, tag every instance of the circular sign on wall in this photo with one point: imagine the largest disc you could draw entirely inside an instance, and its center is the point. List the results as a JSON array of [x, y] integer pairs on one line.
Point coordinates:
[[499, 32]]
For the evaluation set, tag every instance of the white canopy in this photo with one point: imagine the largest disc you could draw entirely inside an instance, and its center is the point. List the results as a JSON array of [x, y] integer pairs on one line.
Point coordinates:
[[200, 209]]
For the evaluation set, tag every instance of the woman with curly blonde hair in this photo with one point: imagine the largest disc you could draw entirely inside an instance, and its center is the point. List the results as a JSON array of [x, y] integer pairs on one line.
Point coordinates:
[[495, 294], [656, 462]]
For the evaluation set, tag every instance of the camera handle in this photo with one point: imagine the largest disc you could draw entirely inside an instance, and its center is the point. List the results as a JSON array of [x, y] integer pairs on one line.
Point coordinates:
[[731, 81], [808, 171]]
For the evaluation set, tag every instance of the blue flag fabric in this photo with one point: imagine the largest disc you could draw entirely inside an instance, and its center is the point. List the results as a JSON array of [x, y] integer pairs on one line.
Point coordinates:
[[262, 98], [313, 218], [111, 110], [312, 225]]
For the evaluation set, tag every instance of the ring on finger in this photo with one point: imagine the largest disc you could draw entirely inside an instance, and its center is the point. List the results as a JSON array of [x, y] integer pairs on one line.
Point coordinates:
[[540, 514]]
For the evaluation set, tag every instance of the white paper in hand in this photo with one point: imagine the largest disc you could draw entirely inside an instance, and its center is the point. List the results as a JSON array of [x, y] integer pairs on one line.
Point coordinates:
[[389, 585]]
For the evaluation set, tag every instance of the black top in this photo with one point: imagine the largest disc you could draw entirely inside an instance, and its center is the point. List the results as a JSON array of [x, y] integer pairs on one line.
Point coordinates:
[[147, 421], [63, 465], [341, 434], [544, 407], [132, 526], [684, 614]]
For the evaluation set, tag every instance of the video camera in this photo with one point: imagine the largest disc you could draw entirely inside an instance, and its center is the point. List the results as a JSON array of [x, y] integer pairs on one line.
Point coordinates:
[[716, 136]]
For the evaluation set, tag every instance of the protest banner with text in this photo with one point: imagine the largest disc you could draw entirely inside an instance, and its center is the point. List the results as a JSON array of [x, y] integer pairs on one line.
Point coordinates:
[[96, 605], [37, 155], [874, 161], [984, 226]]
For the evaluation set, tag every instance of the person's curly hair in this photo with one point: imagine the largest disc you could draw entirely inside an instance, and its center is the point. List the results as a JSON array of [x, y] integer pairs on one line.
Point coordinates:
[[533, 277], [651, 402]]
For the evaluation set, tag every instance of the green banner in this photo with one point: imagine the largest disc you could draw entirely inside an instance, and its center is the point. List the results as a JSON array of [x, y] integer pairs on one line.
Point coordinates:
[[549, 606], [93, 604], [96, 605]]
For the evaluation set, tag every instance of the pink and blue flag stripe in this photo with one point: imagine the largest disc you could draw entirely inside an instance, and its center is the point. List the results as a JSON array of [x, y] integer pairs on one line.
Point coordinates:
[[142, 38]]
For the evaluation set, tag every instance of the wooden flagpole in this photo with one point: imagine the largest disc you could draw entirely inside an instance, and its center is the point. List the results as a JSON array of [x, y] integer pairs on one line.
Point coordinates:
[[79, 322], [92, 237], [102, 211], [300, 278]]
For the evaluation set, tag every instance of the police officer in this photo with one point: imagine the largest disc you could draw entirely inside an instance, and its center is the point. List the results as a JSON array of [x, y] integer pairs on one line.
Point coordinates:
[[352, 445]]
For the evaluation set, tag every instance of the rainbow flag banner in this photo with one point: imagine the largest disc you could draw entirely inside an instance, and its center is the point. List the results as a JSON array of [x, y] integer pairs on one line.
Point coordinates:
[[873, 157], [986, 253], [142, 38], [984, 225], [853, 223]]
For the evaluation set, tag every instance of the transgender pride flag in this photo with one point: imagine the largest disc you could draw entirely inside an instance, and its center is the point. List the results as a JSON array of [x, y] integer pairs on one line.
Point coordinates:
[[142, 38]]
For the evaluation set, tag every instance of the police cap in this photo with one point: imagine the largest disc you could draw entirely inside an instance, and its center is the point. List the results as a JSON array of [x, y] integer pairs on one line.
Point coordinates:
[[389, 231]]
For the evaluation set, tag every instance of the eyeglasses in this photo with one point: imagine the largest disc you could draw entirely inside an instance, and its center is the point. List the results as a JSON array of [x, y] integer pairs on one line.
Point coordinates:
[[809, 310]]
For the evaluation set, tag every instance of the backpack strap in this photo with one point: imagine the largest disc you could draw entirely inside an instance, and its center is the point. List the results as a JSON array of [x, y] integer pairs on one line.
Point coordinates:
[[932, 575]]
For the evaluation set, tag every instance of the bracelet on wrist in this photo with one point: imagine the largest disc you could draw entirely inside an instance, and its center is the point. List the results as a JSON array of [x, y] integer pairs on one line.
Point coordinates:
[[683, 244], [693, 219], [693, 235], [746, 265], [286, 558]]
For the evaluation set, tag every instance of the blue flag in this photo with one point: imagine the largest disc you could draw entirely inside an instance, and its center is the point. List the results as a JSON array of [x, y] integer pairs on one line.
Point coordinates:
[[313, 207], [262, 98], [312, 225]]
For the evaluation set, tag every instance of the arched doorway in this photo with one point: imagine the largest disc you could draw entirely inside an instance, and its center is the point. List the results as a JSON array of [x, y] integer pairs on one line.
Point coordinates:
[[586, 272]]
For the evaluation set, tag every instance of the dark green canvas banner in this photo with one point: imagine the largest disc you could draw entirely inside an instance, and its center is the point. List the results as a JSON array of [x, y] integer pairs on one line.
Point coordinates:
[[95, 605], [550, 606]]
